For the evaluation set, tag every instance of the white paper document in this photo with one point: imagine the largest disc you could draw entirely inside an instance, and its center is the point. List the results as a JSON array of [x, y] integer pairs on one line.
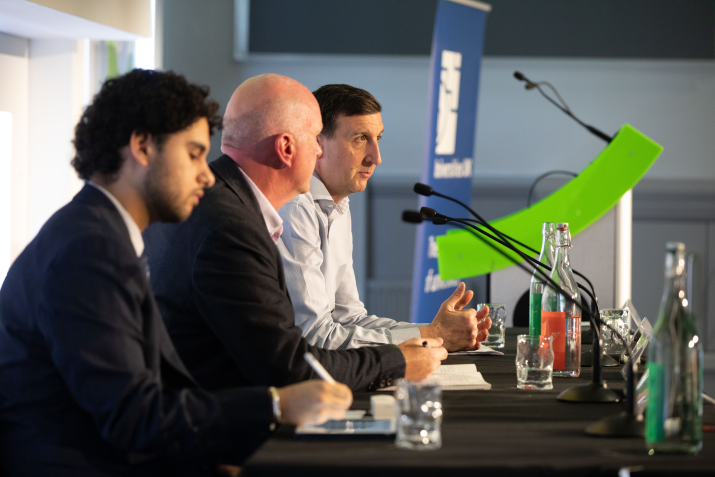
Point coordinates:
[[456, 377], [353, 414], [482, 351]]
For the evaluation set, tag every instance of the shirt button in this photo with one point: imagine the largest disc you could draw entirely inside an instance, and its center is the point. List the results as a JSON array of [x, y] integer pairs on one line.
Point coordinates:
[[382, 383], [371, 387], [389, 381]]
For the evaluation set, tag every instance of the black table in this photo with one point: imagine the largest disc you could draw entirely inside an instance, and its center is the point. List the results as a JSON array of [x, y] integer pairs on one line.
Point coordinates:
[[505, 431]]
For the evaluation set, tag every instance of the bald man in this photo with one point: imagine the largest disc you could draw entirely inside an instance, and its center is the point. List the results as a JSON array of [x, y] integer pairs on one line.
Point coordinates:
[[218, 277]]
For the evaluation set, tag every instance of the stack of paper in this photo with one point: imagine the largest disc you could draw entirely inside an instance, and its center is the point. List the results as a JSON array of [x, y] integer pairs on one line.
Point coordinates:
[[456, 377], [482, 351]]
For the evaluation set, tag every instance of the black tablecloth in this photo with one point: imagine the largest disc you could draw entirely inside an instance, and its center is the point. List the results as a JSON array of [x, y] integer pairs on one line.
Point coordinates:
[[505, 431]]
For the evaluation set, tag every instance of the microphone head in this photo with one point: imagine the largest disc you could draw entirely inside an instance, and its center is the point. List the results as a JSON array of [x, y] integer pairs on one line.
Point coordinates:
[[412, 217], [427, 212], [519, 76], [423, 189]]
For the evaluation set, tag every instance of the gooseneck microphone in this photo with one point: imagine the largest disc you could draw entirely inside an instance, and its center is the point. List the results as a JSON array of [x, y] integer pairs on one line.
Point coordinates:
[[596, 391], [563, 106], [432, 214], [414, 217], [426, 190], [624, 424], [596, 362], [437, 218]]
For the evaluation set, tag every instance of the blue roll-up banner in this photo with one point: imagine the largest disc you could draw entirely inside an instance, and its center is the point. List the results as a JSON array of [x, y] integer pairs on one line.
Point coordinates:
[[457, 47]]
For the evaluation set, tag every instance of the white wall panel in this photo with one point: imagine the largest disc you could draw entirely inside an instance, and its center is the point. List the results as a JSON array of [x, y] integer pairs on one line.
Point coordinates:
[[14, 97], [56, 100]]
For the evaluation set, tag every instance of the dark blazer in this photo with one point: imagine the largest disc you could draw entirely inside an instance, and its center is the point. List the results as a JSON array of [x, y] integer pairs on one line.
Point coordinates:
[[219, 283], [90, 383]]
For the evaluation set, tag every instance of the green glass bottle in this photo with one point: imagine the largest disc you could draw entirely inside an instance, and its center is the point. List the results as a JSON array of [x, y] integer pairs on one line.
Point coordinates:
[[674, 413], [537, 282]]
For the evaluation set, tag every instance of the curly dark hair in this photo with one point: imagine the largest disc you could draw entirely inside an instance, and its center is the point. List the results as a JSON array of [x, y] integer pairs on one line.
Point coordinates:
[[145, 101], [337, 100]]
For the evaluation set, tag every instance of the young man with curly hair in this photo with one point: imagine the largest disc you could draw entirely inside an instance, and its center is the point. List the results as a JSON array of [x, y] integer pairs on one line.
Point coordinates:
[[90, 383]]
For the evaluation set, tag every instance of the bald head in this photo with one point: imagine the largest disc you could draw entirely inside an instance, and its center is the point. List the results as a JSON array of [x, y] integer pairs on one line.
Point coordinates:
[[262, 108]]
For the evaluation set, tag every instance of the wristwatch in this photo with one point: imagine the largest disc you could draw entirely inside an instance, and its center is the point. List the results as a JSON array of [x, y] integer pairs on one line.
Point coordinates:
[[276, 400]]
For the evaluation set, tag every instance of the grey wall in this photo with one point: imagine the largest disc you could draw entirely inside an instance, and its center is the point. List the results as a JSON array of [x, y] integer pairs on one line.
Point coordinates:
[[587, 28], [519, 134]]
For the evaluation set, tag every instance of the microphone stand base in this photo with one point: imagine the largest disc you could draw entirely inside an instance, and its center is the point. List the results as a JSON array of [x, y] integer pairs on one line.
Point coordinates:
[[606, 361], [620, 425], [590, 393]]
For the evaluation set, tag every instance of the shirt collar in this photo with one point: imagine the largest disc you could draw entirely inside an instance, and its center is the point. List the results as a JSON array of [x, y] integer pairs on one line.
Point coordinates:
[[135, 235], [273, 221], [322, 196]]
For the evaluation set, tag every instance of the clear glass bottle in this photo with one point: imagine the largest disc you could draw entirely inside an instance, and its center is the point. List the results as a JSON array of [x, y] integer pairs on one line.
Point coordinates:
[[560, 316], [674, 412], [537, 282]]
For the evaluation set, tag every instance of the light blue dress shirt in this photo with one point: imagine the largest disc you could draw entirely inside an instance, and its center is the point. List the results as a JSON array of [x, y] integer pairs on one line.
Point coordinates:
[[317, 247]]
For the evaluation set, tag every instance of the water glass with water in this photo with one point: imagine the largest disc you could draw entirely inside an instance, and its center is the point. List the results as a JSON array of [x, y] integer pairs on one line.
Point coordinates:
[[419, 415], [616, 318], [497, 313], [534, 362]]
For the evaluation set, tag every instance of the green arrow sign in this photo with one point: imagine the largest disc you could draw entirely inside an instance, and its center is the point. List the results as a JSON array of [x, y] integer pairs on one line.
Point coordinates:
[[581, 202]]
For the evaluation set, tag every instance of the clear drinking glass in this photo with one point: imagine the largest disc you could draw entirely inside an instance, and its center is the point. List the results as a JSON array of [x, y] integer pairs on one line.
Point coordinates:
[[419, 415], [497, 313], [534, 362], [617, 318]]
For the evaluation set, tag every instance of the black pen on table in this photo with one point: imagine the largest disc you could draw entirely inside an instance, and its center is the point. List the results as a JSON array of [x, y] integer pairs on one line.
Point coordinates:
[[318, 368]]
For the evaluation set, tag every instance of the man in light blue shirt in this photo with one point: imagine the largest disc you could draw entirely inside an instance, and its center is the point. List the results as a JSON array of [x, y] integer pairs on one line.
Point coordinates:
[[317, 244]]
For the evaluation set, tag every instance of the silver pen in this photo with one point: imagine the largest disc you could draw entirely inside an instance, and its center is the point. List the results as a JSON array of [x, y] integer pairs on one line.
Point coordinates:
[[318, 368]]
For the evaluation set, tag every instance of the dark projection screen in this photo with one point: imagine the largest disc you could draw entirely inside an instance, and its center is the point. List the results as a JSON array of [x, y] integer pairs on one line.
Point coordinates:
[[547, 28]]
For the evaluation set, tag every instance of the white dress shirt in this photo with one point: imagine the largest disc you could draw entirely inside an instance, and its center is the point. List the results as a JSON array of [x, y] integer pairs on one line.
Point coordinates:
[[273, 221], [317, 250], [135, 235]]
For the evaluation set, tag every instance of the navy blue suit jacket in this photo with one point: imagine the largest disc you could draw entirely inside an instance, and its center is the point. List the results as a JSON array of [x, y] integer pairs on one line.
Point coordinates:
[[90, 383], [219, 282]]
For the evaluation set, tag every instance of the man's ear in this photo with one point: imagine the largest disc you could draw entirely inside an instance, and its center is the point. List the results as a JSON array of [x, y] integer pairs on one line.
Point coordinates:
[[285, 146], [321, 142], [141, 147]]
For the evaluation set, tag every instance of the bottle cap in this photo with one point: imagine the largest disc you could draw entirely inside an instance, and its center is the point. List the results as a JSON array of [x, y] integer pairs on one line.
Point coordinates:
[[675, 247], [674, 259]]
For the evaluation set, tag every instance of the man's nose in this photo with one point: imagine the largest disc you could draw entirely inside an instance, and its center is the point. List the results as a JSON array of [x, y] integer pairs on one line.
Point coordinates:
[[207, 177], [374, 155]]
